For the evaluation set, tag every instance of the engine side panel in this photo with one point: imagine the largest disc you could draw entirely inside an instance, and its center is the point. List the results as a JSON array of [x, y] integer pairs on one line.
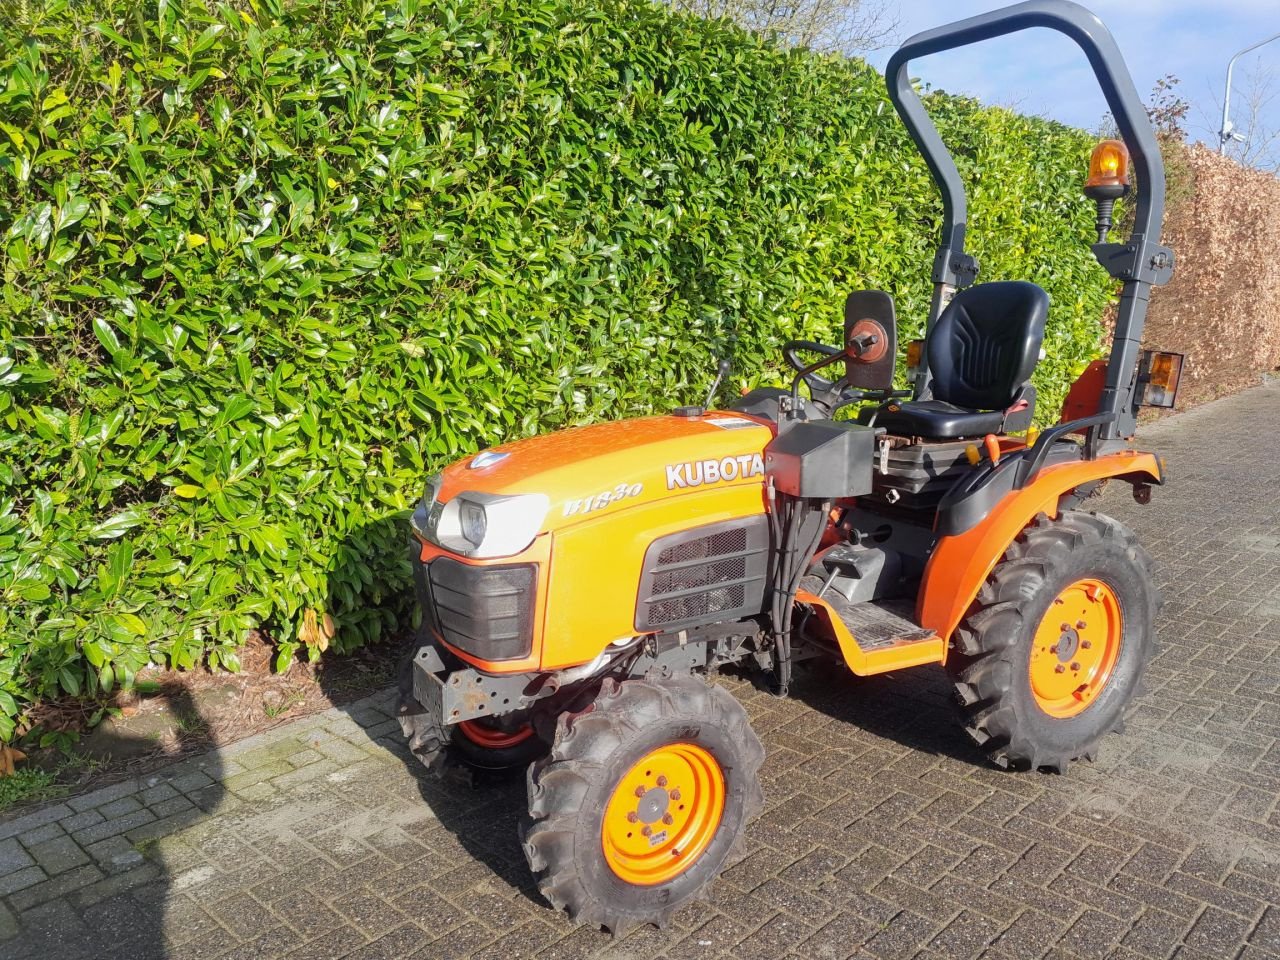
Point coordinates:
[[597, 566]]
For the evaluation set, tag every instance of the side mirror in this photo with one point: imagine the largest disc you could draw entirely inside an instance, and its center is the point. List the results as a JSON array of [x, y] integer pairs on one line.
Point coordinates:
[[870, 340]]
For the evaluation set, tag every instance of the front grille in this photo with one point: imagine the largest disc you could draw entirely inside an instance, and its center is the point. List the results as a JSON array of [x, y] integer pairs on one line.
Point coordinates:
[[484, 611], [704, 575]]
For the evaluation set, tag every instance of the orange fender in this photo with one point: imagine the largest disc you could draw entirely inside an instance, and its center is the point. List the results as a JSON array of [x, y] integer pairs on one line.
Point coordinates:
[[960, 564]]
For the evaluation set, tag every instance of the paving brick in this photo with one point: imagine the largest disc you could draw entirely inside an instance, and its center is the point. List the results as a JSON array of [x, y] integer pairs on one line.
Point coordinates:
[[1032, 933], [110, 828], [118, 808], [54, 929], [902, 936], [55, 888], [156, 793], [104, 795], [1216, 929], [193, 780], [1094, 934], [81, 820], [13, 856], [1157, 934], [49, 831], [966, 935], [176, 804], [21, 879], [30, 821], [58, 855]]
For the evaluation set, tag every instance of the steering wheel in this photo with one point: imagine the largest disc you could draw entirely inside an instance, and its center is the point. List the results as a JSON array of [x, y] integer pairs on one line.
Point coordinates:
[[816, 384], [831, 395]]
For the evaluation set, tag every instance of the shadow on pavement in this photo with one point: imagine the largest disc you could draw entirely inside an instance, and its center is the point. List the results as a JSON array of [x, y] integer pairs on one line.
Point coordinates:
[[912, 708], [115, 901], [477, 814]]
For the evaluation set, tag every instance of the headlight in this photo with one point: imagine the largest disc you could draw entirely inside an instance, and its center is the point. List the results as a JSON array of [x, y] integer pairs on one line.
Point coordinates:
[[485, 525], [422, 520], [474, 522]]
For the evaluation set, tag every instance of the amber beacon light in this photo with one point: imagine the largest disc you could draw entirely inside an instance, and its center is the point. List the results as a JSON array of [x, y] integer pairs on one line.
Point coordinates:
[[1108, 181]]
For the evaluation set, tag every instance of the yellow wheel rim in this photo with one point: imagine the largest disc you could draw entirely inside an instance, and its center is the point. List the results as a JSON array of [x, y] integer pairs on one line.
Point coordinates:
[[1076, 647], [663, 814]]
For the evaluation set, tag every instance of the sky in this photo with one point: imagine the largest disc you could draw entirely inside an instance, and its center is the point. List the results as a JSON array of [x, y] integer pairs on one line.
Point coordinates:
[[1042, 72]]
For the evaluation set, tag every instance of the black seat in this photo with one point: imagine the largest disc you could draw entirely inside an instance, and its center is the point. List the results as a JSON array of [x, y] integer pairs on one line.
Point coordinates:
[[981, 354]]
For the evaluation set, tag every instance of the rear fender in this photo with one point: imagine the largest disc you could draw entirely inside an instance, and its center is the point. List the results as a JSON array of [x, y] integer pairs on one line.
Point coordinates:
[[960, 564]]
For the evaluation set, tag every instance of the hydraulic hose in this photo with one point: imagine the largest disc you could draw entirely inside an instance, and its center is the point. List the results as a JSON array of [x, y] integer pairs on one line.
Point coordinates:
[[797, 526]]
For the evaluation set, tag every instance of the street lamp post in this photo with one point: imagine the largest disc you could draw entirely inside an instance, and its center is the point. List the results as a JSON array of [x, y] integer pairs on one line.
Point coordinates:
[[1226, 134]]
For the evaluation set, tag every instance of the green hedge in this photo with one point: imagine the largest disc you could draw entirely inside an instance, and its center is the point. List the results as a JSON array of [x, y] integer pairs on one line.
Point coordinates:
[[266, 268]]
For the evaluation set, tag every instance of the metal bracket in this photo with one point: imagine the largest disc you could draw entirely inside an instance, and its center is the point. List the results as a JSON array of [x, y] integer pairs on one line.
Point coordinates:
[[1139, 260], [957, 269], [676, 660], [467, 694]]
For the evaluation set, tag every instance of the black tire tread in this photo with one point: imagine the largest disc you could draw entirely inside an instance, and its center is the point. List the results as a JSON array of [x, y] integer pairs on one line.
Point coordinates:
[[981, 671], [559, 781], [426, 736]]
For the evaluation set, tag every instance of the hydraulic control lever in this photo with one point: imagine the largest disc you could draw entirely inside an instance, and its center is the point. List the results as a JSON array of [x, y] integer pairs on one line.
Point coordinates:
[[722, 371]]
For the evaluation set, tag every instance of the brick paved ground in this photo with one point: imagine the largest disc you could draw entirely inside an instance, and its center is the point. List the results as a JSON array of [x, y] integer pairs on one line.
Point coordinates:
[[885, 835]]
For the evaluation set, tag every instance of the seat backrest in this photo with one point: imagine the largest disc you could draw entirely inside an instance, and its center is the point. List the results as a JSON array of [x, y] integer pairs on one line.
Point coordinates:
[[986, 344]]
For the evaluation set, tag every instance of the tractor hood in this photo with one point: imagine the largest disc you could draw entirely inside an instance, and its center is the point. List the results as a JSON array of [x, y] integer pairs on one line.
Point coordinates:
[[586, 472]]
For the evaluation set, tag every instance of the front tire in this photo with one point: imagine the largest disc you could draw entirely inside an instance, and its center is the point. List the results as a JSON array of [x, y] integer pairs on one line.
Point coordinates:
[[1052, 651], [496, 748], [489, 746], [641, 800]]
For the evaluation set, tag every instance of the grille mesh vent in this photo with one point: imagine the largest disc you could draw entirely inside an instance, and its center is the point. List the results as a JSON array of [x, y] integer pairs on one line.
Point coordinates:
[[703, 575], [695, 606], [708, 574], [716, 545]]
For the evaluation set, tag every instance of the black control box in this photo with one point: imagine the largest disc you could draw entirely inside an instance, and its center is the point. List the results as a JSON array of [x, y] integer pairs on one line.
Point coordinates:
[[822, 459]]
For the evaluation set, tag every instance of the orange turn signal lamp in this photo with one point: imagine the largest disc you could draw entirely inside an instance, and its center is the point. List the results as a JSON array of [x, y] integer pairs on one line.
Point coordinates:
[[915, 353], [1159, 376], [1108, 171]]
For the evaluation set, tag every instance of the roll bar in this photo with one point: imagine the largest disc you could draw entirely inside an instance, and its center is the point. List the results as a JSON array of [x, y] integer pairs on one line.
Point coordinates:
[[1139, 262]]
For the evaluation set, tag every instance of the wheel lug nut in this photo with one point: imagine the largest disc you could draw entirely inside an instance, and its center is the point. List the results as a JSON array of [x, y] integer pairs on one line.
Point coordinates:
[[1054, 648], [668, 819], [640, 791], [1080, 624], [1065, 627], [1086, 645], [1075, 666], [632, 817], [661, 781], [1059, 669], [647, 831], [675, 794]]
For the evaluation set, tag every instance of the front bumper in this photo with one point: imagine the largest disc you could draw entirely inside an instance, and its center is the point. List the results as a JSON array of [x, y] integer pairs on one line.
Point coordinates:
[[457, 692]]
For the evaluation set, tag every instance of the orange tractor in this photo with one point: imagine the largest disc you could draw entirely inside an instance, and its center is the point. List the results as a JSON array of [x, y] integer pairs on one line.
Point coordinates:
[[580, 589]]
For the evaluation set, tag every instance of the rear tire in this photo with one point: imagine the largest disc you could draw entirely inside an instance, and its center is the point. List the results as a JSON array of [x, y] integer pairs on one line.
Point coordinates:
[[641, 753], [1052, 651]]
